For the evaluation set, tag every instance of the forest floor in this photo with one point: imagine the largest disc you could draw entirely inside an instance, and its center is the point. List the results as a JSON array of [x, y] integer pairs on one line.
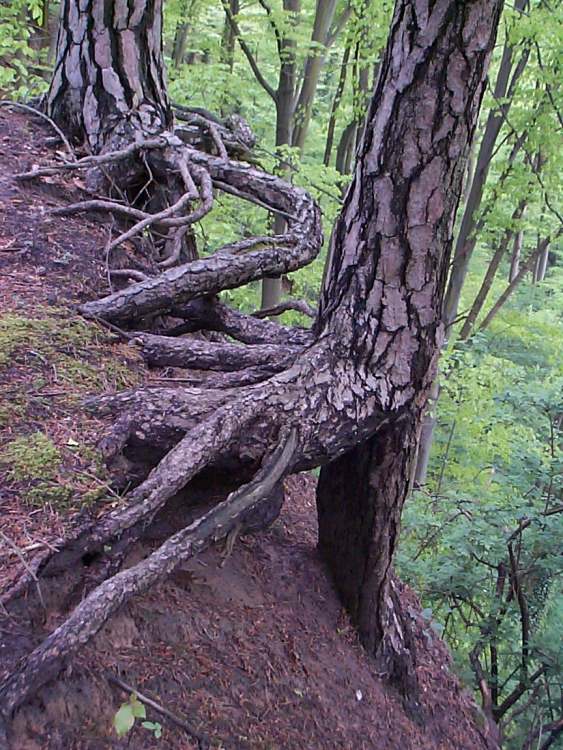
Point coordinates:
[[255, 653]]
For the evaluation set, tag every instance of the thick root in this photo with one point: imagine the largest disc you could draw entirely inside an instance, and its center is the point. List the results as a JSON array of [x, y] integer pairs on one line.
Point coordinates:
[[45, 662]]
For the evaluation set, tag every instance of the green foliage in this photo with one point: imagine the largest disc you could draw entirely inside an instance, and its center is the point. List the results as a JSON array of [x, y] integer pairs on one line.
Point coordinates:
[[124, 719], [495, 483], [128, 713], [20, 63]]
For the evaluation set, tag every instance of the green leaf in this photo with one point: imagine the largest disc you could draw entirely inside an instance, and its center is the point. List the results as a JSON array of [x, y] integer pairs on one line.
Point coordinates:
[[139, 711], [123, 720]]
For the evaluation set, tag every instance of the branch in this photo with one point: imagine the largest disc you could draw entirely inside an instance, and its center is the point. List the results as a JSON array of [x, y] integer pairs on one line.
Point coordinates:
[[249, 56], [52, 123], [164, 351], [291, 304]]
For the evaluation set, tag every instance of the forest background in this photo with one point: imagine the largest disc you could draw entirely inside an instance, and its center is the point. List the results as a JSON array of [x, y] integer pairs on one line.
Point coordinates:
[[481, 532]]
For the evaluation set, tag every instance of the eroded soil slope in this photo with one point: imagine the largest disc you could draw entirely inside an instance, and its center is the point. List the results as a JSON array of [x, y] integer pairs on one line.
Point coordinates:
[[255, 653]]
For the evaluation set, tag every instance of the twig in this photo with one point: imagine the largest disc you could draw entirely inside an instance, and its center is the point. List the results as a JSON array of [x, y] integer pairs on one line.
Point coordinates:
[[52, 123], [24, 562], [96, 161], [202, 741], [291, 304], [246, 197]]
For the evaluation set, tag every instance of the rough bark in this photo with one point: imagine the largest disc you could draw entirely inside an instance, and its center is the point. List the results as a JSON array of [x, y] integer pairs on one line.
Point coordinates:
[[101, 89], [396, 228]]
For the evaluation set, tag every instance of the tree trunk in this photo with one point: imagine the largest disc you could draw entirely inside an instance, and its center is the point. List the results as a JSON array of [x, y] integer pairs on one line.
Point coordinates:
[[516, 255], [324, 14], [541, 265], [528, 266], [102, 88], [336, 105], [285, 95], [180, 42], [465, 244], [395, 233], [228, 39], [490, 274]]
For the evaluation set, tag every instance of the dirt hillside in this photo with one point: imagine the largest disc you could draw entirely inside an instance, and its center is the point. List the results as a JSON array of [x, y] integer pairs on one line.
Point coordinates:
[[253, 653]]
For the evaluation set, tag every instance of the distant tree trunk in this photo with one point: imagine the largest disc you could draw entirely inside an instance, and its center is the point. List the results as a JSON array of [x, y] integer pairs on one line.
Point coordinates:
[[352, 132], [492, 268], [516, 255], [228, 39], [427, 436], [285, 107], [336, 105], [180, 42], [529, 265], [324, 15], [541, 265], [465, 243], [99, 77]]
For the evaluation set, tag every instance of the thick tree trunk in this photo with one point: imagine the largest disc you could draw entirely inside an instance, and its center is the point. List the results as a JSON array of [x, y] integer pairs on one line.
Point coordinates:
[[102, 88], [395, 233]]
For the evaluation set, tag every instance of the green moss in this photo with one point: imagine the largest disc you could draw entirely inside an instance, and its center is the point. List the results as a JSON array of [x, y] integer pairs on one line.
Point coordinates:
[[39, 336], [29, 458], [49, 493]]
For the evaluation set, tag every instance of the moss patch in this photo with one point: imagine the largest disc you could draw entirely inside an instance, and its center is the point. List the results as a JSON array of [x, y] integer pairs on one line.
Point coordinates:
[[31, 457]]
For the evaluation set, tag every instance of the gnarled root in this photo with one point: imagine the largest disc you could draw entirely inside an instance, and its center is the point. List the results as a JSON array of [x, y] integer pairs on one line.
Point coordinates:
[[86, 620]]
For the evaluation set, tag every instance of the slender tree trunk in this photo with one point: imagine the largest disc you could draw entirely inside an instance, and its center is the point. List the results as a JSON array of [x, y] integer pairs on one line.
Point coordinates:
[[427, 435], [324, 15], [285, 96], [336, 106], [516, 255], [528, 266], [465, 244], [228, 40], [180, 42], [345, 148], [541, 265], [492, 269], [99, 77]]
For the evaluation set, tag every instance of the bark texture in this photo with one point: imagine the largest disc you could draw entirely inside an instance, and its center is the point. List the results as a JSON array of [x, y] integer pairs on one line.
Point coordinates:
[[101, 82], [395, 232]]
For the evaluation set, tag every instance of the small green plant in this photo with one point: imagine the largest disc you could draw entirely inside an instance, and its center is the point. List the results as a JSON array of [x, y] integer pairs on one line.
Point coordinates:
[[125, 717]]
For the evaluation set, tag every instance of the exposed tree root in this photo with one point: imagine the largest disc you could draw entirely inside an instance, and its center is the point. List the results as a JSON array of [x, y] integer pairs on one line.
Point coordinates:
[[164, 351], [89, 616]]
